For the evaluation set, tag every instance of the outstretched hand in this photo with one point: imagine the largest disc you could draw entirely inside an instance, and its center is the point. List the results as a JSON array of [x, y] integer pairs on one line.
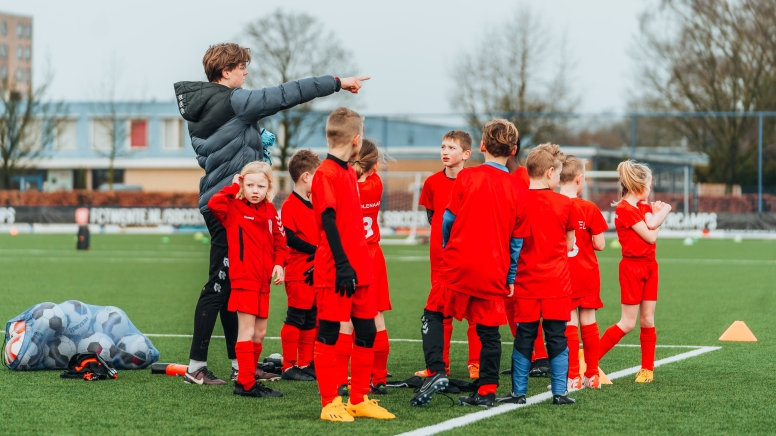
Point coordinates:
[[352, 84]]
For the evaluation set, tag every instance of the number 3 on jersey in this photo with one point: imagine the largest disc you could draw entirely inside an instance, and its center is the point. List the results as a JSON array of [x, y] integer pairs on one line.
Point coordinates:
[[575, 251], [368, 227]]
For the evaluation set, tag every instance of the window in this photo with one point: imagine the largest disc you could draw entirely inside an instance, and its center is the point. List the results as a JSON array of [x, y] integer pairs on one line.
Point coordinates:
[[172, 134], [20, 30], [138, 136], [19, 74], [28, 53], [28, 79], [102, 133], [66, 135], [3, 28], [29, 31], [3, 73], [19, 52], [34, 134], [3, 51]]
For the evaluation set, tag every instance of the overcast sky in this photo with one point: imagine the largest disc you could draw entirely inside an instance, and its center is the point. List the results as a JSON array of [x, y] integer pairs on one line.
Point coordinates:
[[406, 46]]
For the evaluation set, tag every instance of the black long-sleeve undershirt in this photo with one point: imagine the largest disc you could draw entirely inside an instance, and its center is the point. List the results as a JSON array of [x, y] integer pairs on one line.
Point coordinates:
[[298, 243], [328, 217], [429, 214]]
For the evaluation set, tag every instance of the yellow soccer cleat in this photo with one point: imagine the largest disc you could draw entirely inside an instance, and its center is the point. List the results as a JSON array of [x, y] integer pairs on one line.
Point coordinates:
[[336, 412], [474, 371], [645, 376], [368, 409]]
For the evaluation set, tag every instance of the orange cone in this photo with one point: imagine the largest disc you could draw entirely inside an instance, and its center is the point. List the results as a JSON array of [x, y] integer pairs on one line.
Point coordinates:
[[738, 332], [582, 366]]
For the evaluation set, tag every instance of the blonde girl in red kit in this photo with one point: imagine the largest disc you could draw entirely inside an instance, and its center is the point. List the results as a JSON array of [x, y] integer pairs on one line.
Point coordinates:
[[637, 223]]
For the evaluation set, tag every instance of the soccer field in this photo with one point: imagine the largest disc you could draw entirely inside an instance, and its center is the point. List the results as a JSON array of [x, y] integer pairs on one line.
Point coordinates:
[[703, 289]]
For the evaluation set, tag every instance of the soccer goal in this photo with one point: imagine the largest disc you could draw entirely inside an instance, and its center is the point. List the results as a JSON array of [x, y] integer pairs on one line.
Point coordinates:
[[402, 220]]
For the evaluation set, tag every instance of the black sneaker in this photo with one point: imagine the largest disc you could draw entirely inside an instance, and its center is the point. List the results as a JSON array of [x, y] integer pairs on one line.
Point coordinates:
[[296, 374], [310, 370], [562, 399], [511, 399], [202, 376], [475, 399], [342, 391], [258, 390], [540, 368], [437, 382], [507, 371], [380, 389]]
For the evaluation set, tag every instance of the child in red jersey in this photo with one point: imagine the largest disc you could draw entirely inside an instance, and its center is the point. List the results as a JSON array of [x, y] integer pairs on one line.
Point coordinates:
[[543, 285], [585, 277], [343, 273], [456, 150], [482, 229], [257, 241], [637, 224], [297, 336], [370, 189]]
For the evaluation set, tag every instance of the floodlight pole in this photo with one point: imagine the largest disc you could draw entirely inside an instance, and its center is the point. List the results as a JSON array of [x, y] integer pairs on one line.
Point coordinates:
[[686, 191], [760, 163], [633, 137]]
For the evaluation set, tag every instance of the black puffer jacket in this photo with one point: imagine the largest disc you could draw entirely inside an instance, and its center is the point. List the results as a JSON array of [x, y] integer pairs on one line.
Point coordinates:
[[223, 124]]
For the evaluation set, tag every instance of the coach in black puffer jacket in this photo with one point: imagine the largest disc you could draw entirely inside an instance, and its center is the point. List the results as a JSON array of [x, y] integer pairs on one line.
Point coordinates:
[[223, 124]]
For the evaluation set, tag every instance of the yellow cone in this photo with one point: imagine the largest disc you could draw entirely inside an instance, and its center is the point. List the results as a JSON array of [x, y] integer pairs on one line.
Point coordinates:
[[582, 366], [738, 332]]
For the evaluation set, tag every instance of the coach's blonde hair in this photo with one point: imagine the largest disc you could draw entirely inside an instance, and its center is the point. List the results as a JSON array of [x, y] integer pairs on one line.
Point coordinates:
[[543, 157], [258, 168], [634, 177], [573, 167]]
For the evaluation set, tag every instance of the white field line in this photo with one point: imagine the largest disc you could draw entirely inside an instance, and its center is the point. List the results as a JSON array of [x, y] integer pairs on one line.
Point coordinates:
[[495, 411], [277, 338]]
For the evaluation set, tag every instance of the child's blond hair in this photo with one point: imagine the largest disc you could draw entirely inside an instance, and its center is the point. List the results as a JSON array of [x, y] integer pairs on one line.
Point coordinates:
[[634, 177], [543, 157], [258, 168], [573, 167]]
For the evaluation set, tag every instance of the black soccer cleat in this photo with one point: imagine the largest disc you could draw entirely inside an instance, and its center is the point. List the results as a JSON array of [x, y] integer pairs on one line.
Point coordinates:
[[562, 399], [511, 399], [343, 391], [310, 370], [295, 374], [475, 399], [380, 389], [540, 368], [257, 391], [437, 382], [507, 371]]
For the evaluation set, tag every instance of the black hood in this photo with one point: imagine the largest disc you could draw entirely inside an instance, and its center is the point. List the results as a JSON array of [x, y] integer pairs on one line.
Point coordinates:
[[193, 98]]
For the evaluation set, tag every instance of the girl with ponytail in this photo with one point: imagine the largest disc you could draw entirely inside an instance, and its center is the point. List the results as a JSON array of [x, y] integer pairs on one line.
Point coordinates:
[[637, 223]]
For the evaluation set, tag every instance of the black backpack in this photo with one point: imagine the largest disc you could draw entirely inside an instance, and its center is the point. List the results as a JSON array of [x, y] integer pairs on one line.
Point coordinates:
[[89, 367]]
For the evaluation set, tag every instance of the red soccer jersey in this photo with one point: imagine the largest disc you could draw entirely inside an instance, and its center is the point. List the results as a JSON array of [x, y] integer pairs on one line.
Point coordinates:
[[583, 263], [522, 176], [543, 269], [489, 211], [298, 216], [435, 196], [633, 246], [335, 187], [371, 192]]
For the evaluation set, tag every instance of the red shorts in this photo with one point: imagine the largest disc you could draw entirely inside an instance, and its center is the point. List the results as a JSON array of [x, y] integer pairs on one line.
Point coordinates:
[[529, 310], [333, 307], [300, 295], [592, 301], [461, 306], [253, 302], [436, 296], [638, 281], [380, 284]]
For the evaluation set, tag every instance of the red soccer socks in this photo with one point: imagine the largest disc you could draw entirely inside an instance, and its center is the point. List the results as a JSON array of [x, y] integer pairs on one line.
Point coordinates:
[[289, 341], [590, 342], [487, 389], [381, 350], [246, 360], [539, 351], [306, 345], [611, 337], [344, 348], [325, 370], [648, 340], [447, 325], [361, 372], [572, 338], [475, 346]]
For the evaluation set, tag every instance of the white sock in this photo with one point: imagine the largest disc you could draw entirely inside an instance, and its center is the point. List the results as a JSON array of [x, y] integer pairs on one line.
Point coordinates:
[[194, 365], [234, 364]]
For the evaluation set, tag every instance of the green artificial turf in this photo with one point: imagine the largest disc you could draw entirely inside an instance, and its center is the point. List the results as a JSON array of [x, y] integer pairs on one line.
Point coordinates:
[[703, 289]]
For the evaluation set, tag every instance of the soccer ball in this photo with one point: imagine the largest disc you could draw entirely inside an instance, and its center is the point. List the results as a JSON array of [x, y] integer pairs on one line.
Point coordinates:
[[57, 353], [98, 343], [12, 348], [49, 320], [79, 317], [112, 321], [17, 328], [133, 352], [33, 355]]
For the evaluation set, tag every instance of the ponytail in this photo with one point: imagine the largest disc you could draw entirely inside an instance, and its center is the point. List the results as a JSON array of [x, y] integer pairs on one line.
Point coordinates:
[[634, 178], [367, 158]]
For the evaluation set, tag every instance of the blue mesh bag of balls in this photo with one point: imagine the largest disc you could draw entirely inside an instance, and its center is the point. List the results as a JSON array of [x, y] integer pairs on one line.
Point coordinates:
[[47, 335]]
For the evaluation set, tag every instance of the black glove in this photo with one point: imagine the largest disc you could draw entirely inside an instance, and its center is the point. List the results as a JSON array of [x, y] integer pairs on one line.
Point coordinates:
[[309, 276], [311, 257], [346, 280]]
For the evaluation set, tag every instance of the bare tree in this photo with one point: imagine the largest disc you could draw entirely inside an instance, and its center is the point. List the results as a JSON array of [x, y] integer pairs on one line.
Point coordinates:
[[517, 67], [28, 126], [715, 55], [288, 46]]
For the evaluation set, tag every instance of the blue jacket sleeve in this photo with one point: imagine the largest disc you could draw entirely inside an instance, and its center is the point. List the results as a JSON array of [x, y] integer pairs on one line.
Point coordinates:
[[447, 224], [251, 106], [515, 245]]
